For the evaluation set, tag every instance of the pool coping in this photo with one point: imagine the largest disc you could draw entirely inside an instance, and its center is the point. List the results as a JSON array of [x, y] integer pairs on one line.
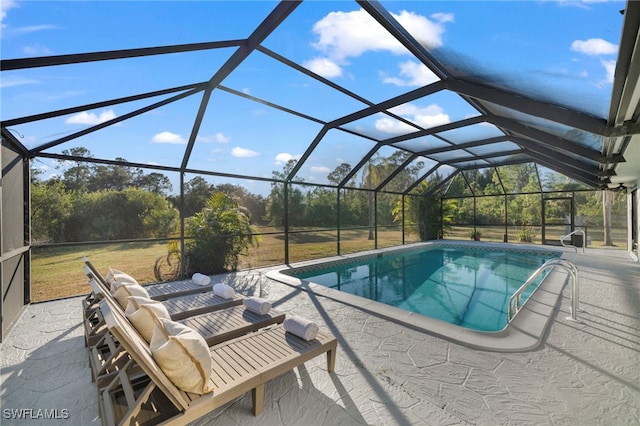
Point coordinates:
[[525, 332]]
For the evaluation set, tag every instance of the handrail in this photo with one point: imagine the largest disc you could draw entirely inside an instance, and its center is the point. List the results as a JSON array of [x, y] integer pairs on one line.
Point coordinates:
[[515, 303], [584, 239]]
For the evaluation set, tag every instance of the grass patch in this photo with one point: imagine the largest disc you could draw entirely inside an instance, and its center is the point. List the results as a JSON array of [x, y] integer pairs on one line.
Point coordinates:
[[56, 272]]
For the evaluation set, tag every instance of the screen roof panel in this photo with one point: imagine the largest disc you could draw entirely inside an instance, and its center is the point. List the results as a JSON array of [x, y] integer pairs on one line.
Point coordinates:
[[272, 81], [334, 149], [415, 76], [243, 137], [471, 133], [558, 53]]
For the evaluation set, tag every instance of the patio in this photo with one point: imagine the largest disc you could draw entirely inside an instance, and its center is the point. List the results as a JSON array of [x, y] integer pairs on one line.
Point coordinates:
[[386, 373]]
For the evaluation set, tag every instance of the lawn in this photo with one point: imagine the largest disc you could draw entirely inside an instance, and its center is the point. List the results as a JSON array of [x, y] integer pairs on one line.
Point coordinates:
[[56, 272]]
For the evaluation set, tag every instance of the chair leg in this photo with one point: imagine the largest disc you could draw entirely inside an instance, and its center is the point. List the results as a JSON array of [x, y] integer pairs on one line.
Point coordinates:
[[257, 396], [331, 359]]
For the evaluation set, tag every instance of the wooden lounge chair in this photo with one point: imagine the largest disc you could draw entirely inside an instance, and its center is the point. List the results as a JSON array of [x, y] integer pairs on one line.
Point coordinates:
[[179, 308], [160, 291], [215, 327], [240, 365], [107, 356]]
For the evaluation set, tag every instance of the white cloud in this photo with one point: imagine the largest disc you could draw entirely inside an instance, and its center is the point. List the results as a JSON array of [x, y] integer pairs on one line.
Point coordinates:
[[243, 152], [218, 137], [344, 35], [426, 117], [443, 18], [594, 47], [413, 74], [389, 125], [320, 169], [36, 50], [350, 34], [90, 118], [284, 157], [16, 80], [245, 90], [222, 138], [324, 67], [5, 5], [168, 137], [610, 67], [32, 29]]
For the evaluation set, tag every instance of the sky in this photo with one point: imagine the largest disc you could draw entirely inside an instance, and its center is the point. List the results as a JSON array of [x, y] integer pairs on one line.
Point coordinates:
[[560, 51]]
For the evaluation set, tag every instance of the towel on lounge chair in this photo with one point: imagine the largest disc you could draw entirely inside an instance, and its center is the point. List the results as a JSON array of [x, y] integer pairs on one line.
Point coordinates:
[[301, 327], [200, 279], [223, 290], [257, 305]]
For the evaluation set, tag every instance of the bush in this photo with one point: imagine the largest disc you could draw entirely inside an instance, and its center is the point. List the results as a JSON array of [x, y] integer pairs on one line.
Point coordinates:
[[216, 237]]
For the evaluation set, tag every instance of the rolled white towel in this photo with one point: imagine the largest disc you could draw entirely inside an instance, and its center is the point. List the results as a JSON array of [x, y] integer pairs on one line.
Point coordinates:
[[200, 279], [223, 290], [257, 305], [301, 327]]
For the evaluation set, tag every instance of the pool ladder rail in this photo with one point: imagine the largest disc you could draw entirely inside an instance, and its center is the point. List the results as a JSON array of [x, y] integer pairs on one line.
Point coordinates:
[[515, 303], [577, 231]]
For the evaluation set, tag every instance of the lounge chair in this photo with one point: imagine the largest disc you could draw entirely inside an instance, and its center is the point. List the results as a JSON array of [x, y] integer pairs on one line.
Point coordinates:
[[240, 365], [215, 327], [160, 291], [178, 307]]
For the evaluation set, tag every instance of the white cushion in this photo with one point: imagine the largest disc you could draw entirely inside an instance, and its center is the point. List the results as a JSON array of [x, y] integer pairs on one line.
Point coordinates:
[[114, 275], [144, 314], [183, 355], [124, 291]]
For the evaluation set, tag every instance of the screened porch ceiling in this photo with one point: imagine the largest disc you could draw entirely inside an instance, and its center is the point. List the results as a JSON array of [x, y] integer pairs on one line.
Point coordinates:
[[264, 84]]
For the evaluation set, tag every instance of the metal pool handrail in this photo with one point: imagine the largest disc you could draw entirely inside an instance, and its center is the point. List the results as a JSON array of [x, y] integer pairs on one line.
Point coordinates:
[[515, 303], [577, 231]]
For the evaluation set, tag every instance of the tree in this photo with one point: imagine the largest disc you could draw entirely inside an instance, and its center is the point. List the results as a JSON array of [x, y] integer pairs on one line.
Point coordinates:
[[219, 235], [50, 210], [109, 215], [154, 182], [113, 176], [370, 180], [255, 204], [429, 216], [275, 207], [77, 176], [339, 173], [196, 193]]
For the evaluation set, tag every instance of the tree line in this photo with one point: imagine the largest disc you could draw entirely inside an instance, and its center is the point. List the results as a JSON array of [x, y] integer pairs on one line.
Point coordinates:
[[90, 201]]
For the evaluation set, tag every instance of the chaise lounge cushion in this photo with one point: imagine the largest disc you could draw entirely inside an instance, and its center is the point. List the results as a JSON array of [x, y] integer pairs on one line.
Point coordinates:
[[145, 314], [123, 291], [114, 276], [183, 355]]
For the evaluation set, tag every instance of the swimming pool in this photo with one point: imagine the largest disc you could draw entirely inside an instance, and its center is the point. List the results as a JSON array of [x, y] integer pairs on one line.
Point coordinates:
[[457, 290], [465, 286]]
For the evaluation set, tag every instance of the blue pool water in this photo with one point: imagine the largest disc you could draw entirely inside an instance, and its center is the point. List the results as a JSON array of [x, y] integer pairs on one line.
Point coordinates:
[[466, 286]]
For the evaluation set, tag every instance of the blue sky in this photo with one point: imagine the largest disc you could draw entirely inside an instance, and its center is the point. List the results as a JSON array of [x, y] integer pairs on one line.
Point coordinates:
[[563, 51]]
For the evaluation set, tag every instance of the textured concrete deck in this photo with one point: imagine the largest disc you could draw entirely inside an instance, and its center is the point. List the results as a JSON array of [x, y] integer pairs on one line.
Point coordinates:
[[386, 374]]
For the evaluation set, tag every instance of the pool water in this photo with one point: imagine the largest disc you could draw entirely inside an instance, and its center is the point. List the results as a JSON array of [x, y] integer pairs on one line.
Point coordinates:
[[466, 286]]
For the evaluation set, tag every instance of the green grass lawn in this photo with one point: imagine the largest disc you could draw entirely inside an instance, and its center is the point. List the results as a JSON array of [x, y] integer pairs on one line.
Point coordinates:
[[56, 272]]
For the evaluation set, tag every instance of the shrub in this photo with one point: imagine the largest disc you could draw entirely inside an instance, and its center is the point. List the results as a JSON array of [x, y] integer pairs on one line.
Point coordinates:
[[216, 237]]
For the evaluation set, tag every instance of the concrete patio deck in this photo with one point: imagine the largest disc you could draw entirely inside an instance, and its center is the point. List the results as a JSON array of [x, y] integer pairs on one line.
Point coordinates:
[[585, 373]]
